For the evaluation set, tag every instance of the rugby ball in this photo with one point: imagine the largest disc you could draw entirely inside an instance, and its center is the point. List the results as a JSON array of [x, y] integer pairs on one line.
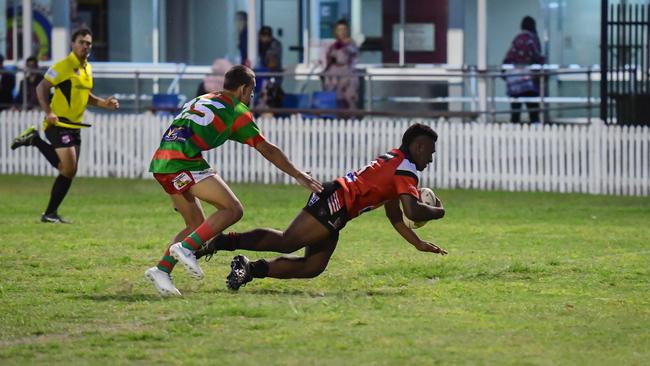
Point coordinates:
[[426, 196]]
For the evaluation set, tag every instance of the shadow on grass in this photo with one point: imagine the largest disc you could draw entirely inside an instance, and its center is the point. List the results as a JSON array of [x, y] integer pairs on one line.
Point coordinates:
[[278, 291], [398, 272], [352, 292], [119, 297]]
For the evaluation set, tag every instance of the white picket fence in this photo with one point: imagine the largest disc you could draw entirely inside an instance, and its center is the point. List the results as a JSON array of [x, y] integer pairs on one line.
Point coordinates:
[[594, 159]]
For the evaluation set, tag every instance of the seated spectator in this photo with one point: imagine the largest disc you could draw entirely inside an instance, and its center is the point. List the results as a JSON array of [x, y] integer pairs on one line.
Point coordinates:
[[7, 84], [270, 91], [214, 82], [269, 88], [33, 76]]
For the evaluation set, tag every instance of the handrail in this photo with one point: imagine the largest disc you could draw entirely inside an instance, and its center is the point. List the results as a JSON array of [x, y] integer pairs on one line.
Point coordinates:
[[464, 75], [174, 83], [403, 114], [178, 70]]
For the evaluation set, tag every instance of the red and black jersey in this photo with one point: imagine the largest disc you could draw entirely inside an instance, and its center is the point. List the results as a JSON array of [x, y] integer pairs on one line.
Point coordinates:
[[385, 178]]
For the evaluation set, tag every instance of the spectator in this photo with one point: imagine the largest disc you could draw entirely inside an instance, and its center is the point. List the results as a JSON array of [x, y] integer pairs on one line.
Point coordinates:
[[269, 89], [525, 50], [271, 94], [7, 84], [241, 21], [341, 61], [213, 82], [270, 50], [32, 77]]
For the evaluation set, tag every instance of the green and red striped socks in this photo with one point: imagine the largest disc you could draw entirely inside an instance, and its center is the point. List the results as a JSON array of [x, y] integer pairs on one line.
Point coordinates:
[[167, 262], [193, 242]]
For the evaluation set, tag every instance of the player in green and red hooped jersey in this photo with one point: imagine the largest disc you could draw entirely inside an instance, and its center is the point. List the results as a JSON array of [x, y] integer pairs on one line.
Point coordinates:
[[204, 123]]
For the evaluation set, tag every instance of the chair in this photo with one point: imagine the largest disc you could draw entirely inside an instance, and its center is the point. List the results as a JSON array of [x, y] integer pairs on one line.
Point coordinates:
[[165, 103], [295, 101], [324, 100]]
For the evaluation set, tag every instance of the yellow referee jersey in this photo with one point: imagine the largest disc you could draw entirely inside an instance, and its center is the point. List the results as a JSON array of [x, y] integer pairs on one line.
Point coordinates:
[[72, 85]]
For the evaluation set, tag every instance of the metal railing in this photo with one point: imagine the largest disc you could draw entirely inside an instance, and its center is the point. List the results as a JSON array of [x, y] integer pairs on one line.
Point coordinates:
[[467, 78]]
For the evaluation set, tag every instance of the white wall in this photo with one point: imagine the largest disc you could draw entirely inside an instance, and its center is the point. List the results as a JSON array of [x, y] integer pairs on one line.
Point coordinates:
[[3, 28], [503, 20], [371, 18], [284, 14], [119, 30], [212, 30], [574, 31], [581, 39], [141, 35]]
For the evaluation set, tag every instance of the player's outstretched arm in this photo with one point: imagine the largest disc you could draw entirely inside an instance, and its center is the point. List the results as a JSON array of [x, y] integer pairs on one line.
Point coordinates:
[[273, 154], [394, 214], [110, 103], [418, 211]]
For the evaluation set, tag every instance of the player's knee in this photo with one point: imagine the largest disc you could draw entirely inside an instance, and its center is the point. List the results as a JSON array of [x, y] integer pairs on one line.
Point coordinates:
[[236, 211], [289, 248], [315, 269], [195, 222], [314, 272], [289, 244], [68, 171]]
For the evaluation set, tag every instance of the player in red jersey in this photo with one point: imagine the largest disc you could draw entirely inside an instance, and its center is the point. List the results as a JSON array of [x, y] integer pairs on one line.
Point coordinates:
[[388, 180]]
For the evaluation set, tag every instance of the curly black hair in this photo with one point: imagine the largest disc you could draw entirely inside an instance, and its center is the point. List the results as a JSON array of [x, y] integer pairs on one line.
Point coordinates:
[[416, 130]]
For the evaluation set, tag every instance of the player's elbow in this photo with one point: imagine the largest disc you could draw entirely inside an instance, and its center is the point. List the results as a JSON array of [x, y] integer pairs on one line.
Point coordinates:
[[440, 213], [411, 214], [393, 218], [266, 148], [41, 90]]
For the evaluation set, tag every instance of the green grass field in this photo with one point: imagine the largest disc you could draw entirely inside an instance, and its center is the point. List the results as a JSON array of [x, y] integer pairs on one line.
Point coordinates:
[[531, 278]]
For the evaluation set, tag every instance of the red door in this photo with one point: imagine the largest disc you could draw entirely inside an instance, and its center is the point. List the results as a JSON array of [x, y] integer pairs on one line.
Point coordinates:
[[425, 33]]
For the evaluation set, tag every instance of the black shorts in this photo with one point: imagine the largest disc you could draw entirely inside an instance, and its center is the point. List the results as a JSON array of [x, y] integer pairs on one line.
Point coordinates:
[[328, 208], [63, 137]]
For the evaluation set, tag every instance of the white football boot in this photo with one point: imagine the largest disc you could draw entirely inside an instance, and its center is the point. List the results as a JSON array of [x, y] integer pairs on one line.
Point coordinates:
[[162, 281], [187, 258]]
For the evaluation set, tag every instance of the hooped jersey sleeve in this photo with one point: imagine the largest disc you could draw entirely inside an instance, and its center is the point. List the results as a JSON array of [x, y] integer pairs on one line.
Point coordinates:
[[245, 131]]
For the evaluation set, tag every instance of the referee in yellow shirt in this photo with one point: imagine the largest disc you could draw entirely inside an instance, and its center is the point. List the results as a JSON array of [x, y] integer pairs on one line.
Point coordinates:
[[72, 80]]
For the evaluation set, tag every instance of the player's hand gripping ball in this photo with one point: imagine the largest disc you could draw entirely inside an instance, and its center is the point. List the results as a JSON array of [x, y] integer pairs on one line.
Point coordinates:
[[426, 196]]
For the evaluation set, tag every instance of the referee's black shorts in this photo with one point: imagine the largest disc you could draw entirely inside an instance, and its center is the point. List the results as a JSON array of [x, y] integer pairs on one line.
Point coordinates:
[[63, 137]]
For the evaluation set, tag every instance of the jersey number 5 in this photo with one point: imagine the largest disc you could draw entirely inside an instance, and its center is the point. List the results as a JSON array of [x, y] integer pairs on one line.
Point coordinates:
[[198, 111]]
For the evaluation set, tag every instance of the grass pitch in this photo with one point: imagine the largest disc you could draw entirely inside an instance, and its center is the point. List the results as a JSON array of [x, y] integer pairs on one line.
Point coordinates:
[[531, 278]]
